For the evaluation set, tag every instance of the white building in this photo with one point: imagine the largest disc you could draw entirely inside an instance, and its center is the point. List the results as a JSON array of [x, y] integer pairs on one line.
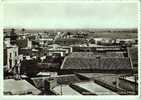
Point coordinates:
[[10, 56]]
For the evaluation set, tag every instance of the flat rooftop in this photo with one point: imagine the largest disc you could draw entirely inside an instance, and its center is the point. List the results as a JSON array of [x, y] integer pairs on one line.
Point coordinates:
[[95, 88], [89, 86], [66, 90], [96, 75], [19, 87]]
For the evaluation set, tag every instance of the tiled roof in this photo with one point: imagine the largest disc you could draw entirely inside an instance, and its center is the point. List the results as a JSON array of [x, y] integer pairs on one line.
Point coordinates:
[[105, 63]]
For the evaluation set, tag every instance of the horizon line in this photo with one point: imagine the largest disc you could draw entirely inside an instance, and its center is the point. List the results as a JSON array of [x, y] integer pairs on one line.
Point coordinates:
[[63, 28]]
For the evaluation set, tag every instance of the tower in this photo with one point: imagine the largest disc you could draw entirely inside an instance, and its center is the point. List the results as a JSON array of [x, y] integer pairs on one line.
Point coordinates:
[[13, 37]]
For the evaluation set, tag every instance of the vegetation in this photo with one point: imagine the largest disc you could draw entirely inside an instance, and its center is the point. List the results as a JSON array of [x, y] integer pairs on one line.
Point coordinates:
[[120, 35]]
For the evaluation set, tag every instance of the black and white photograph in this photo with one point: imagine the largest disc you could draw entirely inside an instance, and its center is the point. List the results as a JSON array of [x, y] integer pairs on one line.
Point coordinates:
[[70, 49]]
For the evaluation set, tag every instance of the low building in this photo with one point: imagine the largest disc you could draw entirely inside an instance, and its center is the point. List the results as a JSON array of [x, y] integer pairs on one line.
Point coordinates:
[[24, 43], [69, 41], [95, 48], [29, 52]]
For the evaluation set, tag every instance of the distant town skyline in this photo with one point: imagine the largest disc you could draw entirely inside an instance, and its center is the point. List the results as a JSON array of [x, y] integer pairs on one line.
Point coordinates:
[[70, 15]]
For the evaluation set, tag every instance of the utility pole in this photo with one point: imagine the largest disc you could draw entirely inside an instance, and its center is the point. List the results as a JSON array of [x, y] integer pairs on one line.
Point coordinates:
[[136, 88], [61, 88]]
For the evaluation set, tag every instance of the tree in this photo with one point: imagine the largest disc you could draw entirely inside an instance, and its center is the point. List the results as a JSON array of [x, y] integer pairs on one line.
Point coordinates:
[[92, 41], [23, 30], [29, 67]]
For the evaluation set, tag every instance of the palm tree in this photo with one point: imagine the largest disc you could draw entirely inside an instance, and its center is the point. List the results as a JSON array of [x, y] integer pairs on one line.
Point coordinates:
[[69, 34]]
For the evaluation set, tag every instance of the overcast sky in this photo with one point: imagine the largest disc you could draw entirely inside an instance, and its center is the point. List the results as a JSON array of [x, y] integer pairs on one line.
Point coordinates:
[[70, 15]]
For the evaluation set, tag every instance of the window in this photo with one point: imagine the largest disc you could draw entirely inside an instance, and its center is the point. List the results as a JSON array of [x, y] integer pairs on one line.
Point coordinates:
[[10, 55], [10, 63], [15, 61], [15, 53]]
